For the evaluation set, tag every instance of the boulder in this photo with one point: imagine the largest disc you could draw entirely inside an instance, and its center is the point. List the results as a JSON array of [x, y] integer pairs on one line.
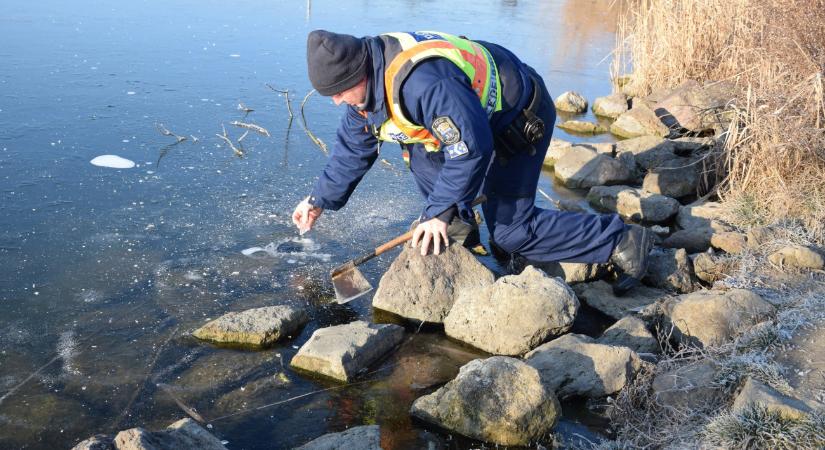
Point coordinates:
[[676, 178], [599, 295], [648, 151], [632, 333], [690, 386], [632, 203], [425, 287], [611, 106], [710, 268], [693, 240], [513, 315], [571, 102], [367, 437], [341, 352], [498, 399], [797, 257], [96, 442], [258, 326], [602, 148], [576, 365], [701, 215], [556, 150], [581, 167], [692, 145], [582, 127], [756, 393], [573, 272], [758, 236], [711, 318], [670, 269], [184, 434], [729, 242], [639, 121], [694, 107]]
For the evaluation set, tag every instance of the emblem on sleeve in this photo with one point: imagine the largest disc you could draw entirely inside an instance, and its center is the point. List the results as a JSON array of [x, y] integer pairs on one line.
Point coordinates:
[[456, 150], [446, 131]]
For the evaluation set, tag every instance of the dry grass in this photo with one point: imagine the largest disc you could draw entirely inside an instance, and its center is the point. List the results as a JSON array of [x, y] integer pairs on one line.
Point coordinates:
[[758, 428], [773, 53]]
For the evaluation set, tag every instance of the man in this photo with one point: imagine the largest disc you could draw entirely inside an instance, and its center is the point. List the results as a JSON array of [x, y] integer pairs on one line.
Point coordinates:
[[473, 118]]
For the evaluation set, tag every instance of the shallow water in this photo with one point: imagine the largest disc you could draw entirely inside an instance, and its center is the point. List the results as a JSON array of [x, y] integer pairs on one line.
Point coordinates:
[[105, 271]]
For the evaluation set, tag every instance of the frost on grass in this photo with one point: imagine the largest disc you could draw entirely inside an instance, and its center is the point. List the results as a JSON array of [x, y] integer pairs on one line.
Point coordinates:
[[757, 428]]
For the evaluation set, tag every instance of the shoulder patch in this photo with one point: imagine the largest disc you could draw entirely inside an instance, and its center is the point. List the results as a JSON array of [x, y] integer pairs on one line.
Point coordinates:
[[445, 130], [456, 150]]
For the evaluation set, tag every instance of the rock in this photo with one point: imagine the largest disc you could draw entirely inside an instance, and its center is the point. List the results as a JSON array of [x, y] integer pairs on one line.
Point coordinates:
[[675, 178], [184, 434], [758, 236], [252, 394], [639, 121], [499, 400], [341, 352], [648, 151], [556, 150], [692, 145], [632, 333], [632, 203], [694, 107], [611, 106], [513, 315], [711, 318], [670, 269], [660, 230], [366, 437], [581, 167], [690, 386], [97, 442], [599, 295], [602, 148], [573, 272], [710, 268], [575, 364], [756, 393], [692, 240], [258, 326], [797, 257], [424, 288], [571, 102], [701, 215], [582, 127], [729, 242]]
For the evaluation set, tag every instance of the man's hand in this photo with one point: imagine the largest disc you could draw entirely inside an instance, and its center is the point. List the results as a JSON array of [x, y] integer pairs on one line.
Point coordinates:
[[433, 230], [305, 215]]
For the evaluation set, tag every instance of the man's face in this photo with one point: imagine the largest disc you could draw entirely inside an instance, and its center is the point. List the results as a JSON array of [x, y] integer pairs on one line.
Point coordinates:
[[354, 96]]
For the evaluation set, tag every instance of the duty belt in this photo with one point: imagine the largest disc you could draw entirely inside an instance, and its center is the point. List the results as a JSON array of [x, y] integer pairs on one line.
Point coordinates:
[[525, 130]]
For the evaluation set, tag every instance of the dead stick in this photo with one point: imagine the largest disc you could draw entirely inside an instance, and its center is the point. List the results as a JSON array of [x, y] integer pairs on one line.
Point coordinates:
[[286, 94], [166, 132], [229, 142], [251, 126], [317, 141]]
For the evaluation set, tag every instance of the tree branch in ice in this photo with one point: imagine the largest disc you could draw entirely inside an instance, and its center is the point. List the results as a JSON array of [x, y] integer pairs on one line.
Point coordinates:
[[166, 132], [315, 139]]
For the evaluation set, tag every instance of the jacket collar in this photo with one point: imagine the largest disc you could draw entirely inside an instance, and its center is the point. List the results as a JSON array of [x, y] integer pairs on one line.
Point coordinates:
[[376, 100]]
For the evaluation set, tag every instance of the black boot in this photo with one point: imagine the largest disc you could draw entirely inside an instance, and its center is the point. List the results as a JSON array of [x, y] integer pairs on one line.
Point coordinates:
[[631, 257]]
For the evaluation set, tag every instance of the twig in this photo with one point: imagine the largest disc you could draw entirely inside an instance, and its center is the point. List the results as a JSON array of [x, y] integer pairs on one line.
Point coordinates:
[[188, 410], [288, 103], [244, 108], [226, 139], [166, 132], [243, 136], [194, 139], [251, 126], [316, 140]]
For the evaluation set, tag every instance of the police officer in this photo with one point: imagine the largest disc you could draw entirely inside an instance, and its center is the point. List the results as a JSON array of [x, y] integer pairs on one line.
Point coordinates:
[[472, 118]]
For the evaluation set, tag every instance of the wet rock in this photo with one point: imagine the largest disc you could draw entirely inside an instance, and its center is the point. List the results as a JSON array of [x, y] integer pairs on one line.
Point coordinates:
[[701, 215], [366, 437], [581, 167], [710, 268], [571, 102], [556, 150], [670, 269], [710, 318], [632, 203], [729, 242], [424, 288], [513, 315], [675, 178], [499, 400], [632, 333], [575, 364], [582, 127], [218, 370], [648, 151], [341, 352], [692, 145], [756, 393], [257, 326], [797, 257], [694, 107], [693, 240], [573, 272], [254, 393], [184, 434], [599, 295], [639, 121], [611, 106], [690, 386], [97, 442]]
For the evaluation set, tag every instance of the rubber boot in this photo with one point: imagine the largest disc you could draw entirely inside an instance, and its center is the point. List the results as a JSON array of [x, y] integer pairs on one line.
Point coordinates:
[[631, 256]]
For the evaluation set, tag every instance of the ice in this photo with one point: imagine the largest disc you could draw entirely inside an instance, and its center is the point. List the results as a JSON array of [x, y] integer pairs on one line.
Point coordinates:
[[291, 250], [112, 161]]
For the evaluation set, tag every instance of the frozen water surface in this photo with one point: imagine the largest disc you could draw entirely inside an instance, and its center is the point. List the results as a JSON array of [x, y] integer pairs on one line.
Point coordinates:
[[112, 161]]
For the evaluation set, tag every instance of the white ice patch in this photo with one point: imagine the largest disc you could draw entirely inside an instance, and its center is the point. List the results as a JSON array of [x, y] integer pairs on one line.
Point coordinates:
[[234, 55], [67, 349], [304, 248], [112, 161]]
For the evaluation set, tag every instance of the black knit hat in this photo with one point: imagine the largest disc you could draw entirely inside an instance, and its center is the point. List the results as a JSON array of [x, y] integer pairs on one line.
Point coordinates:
[[335, 62]]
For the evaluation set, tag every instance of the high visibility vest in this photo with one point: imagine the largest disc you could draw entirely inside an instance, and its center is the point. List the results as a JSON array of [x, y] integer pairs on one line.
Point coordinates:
[[403, 51]]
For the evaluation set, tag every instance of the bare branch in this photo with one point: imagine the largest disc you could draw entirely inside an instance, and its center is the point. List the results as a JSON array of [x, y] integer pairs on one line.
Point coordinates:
[[244, 108], [315, 139], [251, 126], [243, 136], [166, 132], [288, 103], [225, 137]]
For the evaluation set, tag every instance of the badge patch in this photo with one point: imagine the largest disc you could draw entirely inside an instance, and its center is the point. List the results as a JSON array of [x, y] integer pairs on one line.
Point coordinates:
[[445, 130], [456, 150]]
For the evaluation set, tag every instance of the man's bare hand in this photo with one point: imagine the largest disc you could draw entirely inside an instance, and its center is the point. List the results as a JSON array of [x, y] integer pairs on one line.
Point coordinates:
[[305, 215], [432, 231]]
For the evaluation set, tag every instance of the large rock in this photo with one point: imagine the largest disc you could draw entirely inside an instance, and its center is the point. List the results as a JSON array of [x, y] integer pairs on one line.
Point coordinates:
[[729, 242], [573, 272], [798, 257], [499, 400], [694, 107], [184, 434], [581, 167], [611, 106], [258, 326], [678, 177], [692, 145], [582, 127], [556, 150], [343, 351], [599, 295], [757, 394], [670, 269], [648, 151], [575, 364], [701, 215], [711, 268], [513, 315], [632, 333], [96, 442], [639, 121], [693, 240], [689, 386], [366, 437], [571, 102], [632, 203], [711, 318], [425, 287]]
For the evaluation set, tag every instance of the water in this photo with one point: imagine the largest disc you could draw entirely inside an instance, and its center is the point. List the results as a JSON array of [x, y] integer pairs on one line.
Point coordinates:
[[105, 271]]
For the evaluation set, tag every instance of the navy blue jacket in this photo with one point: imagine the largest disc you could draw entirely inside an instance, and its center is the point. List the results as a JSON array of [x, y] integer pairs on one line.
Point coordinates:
[[435, 87]]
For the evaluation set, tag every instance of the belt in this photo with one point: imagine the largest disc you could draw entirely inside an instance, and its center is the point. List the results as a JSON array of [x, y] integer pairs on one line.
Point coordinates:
[[526, 129]]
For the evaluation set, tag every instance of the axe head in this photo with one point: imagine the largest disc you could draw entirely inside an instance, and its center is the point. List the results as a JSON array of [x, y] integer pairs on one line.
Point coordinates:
[[349, 283]]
